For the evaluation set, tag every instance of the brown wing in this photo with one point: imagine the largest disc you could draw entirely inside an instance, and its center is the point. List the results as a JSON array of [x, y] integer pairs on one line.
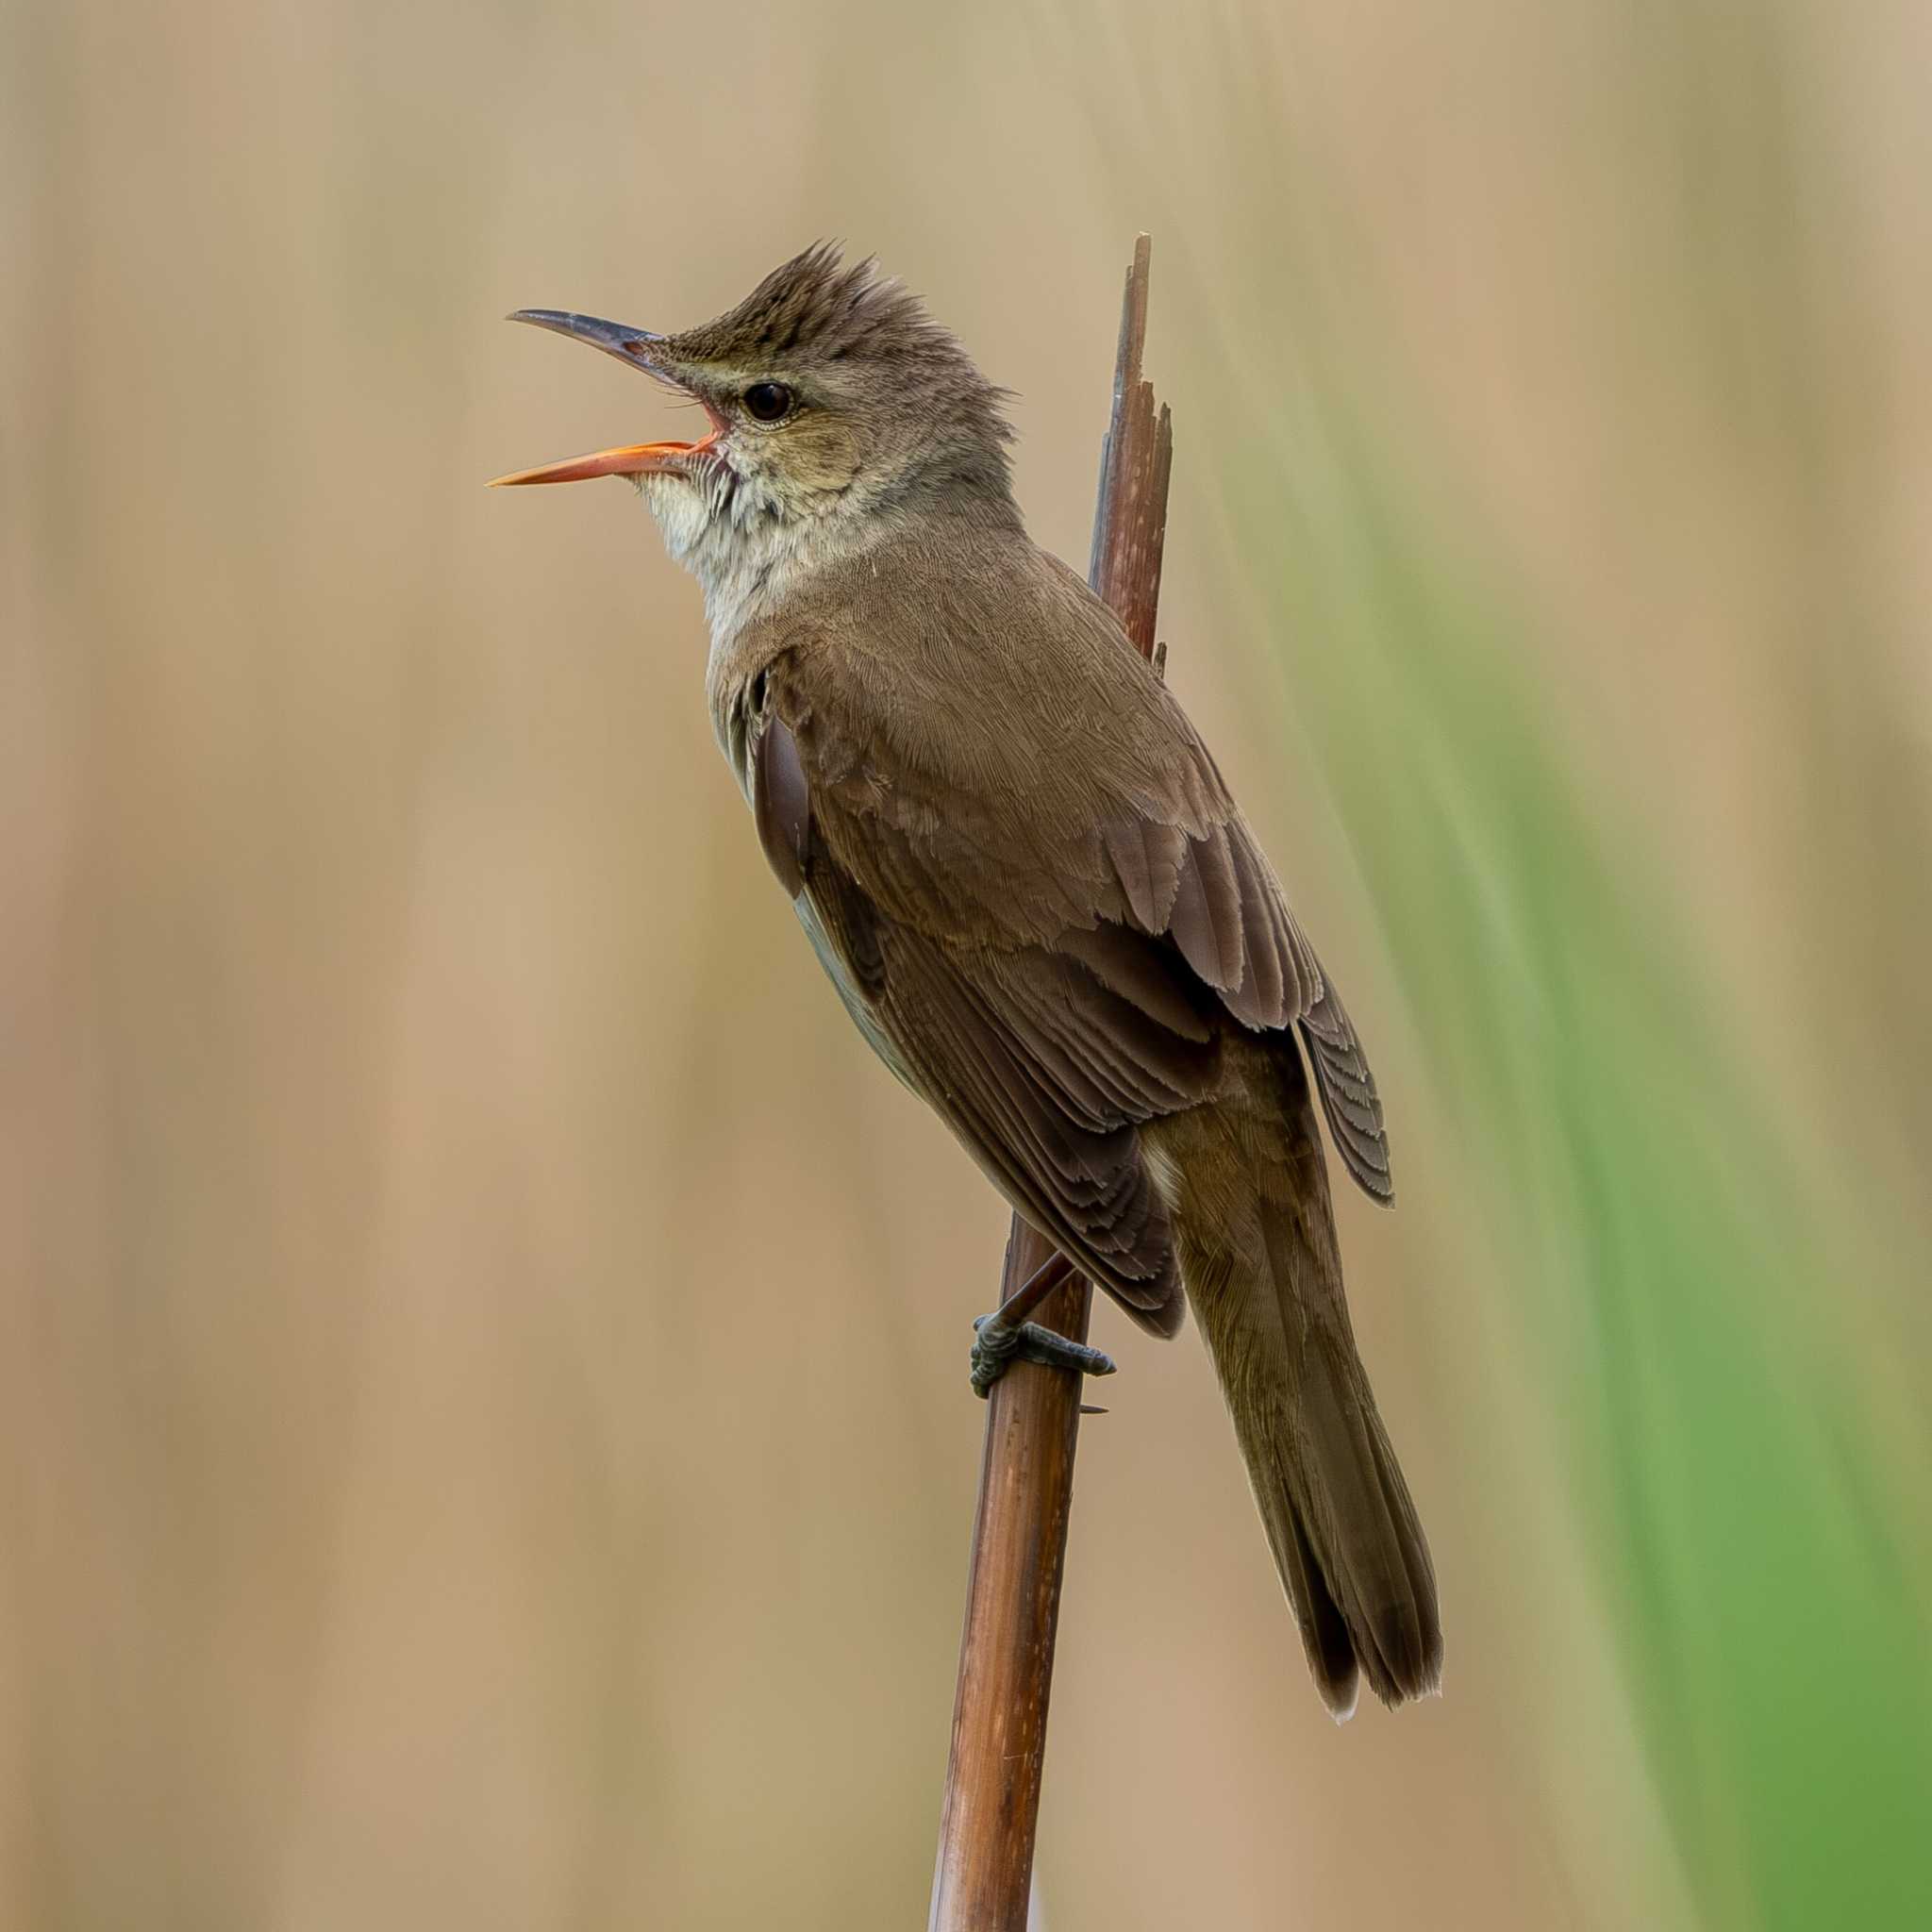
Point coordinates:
[[1043, 1071], [1042, 945], [1217, 896]]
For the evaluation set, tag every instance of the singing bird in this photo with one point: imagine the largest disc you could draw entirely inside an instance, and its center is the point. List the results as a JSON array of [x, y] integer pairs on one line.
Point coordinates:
[[1024, 874]]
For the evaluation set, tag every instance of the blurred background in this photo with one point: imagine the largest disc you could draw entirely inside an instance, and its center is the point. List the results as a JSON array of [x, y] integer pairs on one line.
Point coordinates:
[[484, 1437]]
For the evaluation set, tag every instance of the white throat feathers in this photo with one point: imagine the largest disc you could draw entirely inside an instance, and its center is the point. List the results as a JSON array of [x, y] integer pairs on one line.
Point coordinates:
[[747, 551]]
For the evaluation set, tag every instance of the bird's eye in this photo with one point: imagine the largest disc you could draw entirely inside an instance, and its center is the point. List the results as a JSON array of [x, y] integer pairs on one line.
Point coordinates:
[[766, 401]]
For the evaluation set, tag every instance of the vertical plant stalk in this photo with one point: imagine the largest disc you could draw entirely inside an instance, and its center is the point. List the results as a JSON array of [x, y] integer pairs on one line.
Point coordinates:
[[983, 1882]]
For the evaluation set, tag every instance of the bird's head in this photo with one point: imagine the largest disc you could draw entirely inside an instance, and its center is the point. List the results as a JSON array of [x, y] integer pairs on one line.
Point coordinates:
[[834, 403]]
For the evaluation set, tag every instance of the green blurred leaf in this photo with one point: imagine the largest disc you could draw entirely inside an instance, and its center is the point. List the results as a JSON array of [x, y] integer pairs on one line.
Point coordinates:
[[1672, 1255]]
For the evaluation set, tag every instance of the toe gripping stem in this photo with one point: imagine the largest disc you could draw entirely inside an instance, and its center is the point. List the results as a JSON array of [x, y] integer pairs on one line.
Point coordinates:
[[1007, 1335]]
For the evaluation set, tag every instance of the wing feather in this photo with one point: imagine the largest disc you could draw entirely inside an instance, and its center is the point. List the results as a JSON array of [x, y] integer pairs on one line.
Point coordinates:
[[1047, 946], [781, 802]]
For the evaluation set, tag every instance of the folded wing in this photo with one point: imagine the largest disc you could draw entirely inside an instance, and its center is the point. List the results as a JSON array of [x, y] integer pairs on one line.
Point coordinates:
[[1048, 948]]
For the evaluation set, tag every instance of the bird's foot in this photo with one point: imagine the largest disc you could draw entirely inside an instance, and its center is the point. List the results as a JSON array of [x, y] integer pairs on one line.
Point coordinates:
[[997, 1344]]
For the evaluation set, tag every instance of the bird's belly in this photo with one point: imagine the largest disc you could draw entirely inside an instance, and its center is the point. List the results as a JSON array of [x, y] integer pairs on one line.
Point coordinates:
[[736, 743], [849, 994]]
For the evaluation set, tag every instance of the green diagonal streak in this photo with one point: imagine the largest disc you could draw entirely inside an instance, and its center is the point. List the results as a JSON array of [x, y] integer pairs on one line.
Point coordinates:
[[1672, 1256]]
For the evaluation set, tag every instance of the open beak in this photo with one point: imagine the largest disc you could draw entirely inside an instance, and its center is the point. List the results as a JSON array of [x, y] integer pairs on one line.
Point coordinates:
[[630, 345], [629, 459]]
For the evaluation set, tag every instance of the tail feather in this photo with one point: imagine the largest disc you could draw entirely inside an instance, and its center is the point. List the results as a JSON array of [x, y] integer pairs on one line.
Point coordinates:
[[1250, 1201], [1367, 1537], [1324, 1624]]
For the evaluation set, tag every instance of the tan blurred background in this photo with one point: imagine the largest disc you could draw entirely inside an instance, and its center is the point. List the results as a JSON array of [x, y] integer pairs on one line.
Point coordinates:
[[486, 1439]]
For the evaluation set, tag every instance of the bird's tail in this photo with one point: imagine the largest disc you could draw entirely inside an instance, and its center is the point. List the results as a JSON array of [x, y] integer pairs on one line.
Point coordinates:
[[1250, 1197]]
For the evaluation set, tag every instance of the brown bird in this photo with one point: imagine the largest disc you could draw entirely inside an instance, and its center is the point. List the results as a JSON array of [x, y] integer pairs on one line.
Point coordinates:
[[1025, 875]]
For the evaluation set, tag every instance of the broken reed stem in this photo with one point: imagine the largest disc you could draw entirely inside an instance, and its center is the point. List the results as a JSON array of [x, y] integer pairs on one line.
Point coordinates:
[[984, 1878]]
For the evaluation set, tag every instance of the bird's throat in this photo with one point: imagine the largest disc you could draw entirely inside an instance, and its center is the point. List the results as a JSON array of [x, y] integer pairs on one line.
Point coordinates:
[[747, 553]]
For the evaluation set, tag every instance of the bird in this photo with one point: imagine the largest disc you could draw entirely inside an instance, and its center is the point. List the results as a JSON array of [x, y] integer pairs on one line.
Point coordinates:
[[1024, 874]]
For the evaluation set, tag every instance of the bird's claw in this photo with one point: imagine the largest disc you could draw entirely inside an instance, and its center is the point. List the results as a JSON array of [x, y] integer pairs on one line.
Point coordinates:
[[996, 1345]]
